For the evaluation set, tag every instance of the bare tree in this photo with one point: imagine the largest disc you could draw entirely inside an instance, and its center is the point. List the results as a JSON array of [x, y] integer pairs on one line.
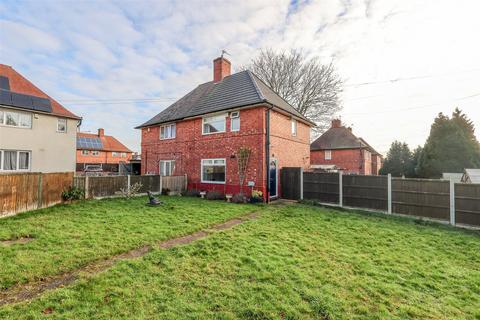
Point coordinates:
[[243, 157], [309, 86]]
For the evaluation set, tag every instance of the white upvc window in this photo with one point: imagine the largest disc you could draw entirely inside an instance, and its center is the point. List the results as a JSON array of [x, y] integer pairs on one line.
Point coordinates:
[[168, 131], [328, 154], [85, 152], [213, 170], [15, 118], [235, 121], [294, 127], [15, 160], [62, 125], [114, 154], [95, 153], [214, 124], [167, 167], [123, 154]]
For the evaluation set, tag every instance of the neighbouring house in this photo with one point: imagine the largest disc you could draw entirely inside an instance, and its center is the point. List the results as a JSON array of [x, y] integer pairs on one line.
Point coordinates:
[[37, 133], [455, 177], [200, 135], [338, 146], [471, 176], [101, 154]]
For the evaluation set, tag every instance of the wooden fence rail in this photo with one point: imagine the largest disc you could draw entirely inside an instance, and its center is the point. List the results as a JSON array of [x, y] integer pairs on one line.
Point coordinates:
[[21, 192], [436, 199]]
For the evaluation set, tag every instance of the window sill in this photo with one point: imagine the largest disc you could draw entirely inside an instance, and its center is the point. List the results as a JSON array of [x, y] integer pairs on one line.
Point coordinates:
[[213, 182]]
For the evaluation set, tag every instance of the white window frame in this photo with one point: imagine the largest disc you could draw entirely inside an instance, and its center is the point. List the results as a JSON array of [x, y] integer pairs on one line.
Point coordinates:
[[173, 131], [58, 124], [17, 164], [123, 155], [95, 153], [328, 154], [294, 126], [163, 163], [85, 152], [213, 164], [204, 119], [234, 115], [20, 113], [115, 154]]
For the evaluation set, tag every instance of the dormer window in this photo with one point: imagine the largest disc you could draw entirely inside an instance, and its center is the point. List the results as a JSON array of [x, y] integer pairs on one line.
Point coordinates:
[[168, 131]]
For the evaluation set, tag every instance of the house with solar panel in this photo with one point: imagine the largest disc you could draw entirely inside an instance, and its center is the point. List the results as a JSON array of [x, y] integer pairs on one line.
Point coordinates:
[[100, 154], [200, 135], [37, 134]]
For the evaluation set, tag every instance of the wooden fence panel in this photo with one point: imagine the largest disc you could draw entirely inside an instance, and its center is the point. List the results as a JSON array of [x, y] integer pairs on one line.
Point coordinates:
[[149, 183], [424, 198], [99, 187], [365, 192], [21, 192], [467, 204], [79, 182], [290, 179], [174, 183], [321, 186]]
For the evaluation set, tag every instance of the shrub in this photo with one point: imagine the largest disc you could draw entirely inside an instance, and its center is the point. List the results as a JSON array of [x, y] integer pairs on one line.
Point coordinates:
[[165, 191], [215, 195], [239, 198], [257, 196], [73, 193], [191, 193], [132, 191]]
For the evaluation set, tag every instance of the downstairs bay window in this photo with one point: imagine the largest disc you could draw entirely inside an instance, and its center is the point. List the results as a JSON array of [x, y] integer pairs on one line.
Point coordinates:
[[213, 170]]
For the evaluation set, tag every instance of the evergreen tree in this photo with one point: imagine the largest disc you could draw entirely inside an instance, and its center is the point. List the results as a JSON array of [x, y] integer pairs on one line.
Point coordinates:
[[398, 161], [451, 146]]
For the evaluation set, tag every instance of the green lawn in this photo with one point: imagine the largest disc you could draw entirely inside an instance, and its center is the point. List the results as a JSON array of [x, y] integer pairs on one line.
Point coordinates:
[[293, 262], [70, 236]]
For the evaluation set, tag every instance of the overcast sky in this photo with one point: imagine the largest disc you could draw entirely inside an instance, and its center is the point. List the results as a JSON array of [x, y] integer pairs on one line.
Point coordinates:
[[117, 64]]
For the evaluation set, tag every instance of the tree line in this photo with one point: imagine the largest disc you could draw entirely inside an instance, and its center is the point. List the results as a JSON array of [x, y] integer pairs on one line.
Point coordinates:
[[450, 147]]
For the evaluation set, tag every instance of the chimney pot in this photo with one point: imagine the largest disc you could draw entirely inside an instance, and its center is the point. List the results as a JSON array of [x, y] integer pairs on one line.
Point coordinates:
[[221, 69], [101, 132], [336, 123]]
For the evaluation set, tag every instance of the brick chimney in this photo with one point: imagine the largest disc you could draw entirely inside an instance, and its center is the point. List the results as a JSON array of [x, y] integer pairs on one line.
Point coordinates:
[[221, 69], [101, 132], [336, 123]]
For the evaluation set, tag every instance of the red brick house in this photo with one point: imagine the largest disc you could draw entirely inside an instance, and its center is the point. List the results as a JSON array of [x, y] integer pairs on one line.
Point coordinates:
[[201, 133], [338, 146], [100, 153]]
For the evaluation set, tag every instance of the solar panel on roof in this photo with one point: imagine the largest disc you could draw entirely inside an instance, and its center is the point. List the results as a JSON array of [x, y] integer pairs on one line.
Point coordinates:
[[4, 83], [89, 143], [25, 101]]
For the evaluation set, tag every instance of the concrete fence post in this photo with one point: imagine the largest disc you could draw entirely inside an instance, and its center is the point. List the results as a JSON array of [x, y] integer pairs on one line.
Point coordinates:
[[161, 185], [301, 183], [452, 202], [186, 182], [128, 182], [40, 191], [389, 185], [86, 187], [340, 188]]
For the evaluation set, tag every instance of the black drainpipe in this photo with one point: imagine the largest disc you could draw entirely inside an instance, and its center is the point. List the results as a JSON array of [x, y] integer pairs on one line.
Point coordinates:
[[267, 154]]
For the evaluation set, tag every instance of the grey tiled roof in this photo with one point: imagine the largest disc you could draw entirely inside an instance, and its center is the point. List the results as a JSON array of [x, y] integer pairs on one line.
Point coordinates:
[[237, 90], [337, 138]]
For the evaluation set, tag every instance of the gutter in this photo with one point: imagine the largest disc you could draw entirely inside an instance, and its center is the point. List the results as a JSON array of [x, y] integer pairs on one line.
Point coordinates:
[[267, 154]]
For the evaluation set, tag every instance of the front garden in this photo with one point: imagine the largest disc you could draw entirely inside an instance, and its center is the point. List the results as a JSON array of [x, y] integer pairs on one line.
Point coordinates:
[[292, 262]]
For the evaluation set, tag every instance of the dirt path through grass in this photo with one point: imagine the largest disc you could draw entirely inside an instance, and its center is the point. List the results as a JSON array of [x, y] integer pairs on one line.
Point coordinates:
[[29, 291]]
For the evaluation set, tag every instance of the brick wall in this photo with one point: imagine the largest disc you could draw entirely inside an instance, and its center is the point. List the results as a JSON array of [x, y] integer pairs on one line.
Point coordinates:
[[103, 157], [349, 159], [190, 146]]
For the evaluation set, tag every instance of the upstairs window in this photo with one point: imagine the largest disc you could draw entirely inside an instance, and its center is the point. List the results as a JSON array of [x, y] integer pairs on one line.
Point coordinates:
[[168, 131], [215, 124], [114, 154], [235, 121], [294, 127], [84, 152], [62, 125], [328, 154], [15, 119], [123, 154], [95, 153]]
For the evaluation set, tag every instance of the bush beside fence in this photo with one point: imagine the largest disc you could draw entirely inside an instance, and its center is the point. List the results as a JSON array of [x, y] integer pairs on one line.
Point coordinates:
[[436, 199], [28, 191]]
